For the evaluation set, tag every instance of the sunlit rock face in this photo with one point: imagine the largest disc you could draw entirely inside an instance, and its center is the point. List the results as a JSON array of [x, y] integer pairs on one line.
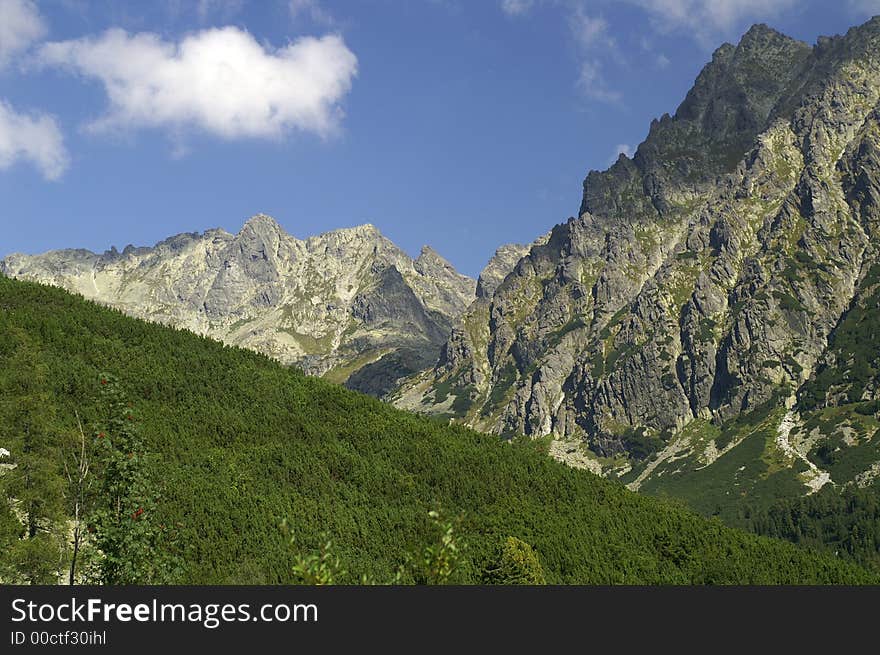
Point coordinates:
[[702, 278], [348, 302]]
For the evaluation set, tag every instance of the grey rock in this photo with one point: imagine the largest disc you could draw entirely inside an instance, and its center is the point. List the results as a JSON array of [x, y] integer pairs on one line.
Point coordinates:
[[499, 266], [702, 277], [332, 304]]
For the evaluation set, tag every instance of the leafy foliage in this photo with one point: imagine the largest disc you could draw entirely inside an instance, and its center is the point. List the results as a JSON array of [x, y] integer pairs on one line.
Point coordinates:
[[440, 560], [515, 563], [124, 519], [317, 568]]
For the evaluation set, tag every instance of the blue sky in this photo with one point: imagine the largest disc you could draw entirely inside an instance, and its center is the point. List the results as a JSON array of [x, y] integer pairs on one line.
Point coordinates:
[[463, 124]]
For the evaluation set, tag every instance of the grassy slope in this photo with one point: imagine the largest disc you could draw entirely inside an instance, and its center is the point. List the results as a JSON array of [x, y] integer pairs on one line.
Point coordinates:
[[244, 442], [745, 476]]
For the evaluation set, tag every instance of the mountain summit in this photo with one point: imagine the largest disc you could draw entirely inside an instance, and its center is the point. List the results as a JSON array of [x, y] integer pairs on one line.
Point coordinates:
[[714, 286], [341, 303]]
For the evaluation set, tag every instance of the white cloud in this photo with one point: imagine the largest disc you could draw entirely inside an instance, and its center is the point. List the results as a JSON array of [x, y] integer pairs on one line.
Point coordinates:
[[516, 7], [704, 20], [620, 149], [34, 138], [588, 31], [592, 40], [219, 80], [660, 60], [591, 82], [595, 45], [708, 20], [310, 9], [20, 25]]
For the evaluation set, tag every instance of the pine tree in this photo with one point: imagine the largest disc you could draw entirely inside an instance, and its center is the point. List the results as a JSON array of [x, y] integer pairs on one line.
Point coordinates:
[[33, 488]]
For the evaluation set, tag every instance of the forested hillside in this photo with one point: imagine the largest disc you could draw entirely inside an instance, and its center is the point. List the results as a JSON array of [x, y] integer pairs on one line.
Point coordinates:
[[233, 443]]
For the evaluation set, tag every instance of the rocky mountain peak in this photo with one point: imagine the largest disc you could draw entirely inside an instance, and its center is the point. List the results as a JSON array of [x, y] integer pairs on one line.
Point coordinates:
[[734, 93], [430, 260], [710, 133], [761, 33], [498, 267], [702, 281], [366, 235], [366, 230], [261, 230], [341, 302], [262, 222]]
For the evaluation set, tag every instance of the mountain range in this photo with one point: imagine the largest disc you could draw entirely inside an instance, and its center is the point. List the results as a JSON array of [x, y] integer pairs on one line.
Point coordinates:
[[707, 321], [348, 305], [228, 446], [705, 327]]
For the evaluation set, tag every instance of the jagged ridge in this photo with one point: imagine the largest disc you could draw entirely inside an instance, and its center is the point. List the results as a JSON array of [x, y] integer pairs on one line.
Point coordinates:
[[345, 302], [703, 278]]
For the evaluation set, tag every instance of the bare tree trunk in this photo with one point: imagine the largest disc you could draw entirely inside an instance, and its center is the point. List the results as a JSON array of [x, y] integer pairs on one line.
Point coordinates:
[[77, 482], [76, 537]]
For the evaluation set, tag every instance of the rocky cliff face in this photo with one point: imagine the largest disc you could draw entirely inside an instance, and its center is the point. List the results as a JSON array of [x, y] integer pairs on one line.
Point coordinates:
[[704, 279], [498, 268], [342, 304]]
